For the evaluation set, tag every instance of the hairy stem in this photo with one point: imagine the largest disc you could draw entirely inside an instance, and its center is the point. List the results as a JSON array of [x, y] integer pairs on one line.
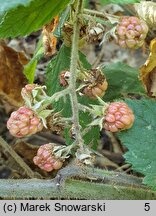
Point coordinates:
[[55, 97], [95, 13], [74, 189], [59, 94], [98, 185], [102, 15], [73, 71], [98, 175]]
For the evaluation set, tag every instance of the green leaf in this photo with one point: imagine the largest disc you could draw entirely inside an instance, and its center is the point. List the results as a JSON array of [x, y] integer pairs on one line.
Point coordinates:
[[119, 1], [21, 17], [6, 5], [29, 69], [45, 113], [92, 137], [141, 139], [86, 3], [122, 80], [59, 63], [63, 17]]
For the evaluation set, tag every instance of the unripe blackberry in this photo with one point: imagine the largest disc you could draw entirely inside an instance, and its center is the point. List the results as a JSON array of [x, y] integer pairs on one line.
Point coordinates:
[[46, 160], [96, 84], [118, 116], [27, 90], [24, 122], [131, 32], [72, 132], [55, 123], [67, 34], [64, 78], [95, 32], [95, 91]]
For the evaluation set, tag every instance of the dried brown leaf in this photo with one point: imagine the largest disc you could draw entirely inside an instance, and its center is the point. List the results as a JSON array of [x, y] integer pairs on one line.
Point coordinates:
[[12, 78], [147, 11], [14, 161], [26, 151], [148, 71], [49, 40]]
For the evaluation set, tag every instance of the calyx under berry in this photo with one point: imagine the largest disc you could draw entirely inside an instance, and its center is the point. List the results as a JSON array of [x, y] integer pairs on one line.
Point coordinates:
[[86, 156], [37, 100]]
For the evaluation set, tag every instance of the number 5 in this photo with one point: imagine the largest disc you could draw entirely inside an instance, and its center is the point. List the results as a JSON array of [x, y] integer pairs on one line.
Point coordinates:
[[147, 207]]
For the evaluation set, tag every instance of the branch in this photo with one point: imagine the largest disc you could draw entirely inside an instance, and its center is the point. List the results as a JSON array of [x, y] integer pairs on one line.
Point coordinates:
[[98, 175], [99, 184], [73, 71]]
